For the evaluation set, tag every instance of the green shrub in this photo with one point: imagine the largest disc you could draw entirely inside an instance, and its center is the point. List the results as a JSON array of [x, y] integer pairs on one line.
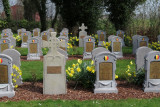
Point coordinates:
[[128, 41]]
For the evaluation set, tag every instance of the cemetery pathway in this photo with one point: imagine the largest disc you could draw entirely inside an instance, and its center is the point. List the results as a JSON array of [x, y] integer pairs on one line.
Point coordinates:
[[29, 92]]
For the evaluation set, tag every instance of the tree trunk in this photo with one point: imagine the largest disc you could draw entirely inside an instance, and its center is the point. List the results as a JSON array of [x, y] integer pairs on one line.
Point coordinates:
[[55, 18], [7, 9]]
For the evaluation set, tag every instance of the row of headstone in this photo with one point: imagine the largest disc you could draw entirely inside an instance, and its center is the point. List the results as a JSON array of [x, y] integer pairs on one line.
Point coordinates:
[[7, 58]]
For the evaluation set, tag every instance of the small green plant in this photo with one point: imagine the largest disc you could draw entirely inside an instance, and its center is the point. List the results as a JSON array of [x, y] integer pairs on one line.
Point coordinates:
[[34, 76], [128, 40], [140, 76]]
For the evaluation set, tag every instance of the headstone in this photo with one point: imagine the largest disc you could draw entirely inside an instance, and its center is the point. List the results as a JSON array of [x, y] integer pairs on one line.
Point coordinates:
[[97, 50], [36, 32], [116, 45], [20, 31], [105, 65], [65, 45], [120, 33], [140, 54], [5, 34], [152, 72], [25, 37], [101, 37], [13, 40], [89, 44], [33, 49], [50, 30], [5, 44], [63, 53], [64, 33], [40, 43], [54, 75], [15, 55], [143, 41], [110, 38], [82, 34], [45, 35], [135, 43], [7, 31], [6, 85]]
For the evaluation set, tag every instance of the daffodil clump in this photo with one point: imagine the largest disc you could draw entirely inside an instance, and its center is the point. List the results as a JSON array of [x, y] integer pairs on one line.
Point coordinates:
[[106, 45], [155, 45], [74, 40], [83, 72], [18, 39], [128, 40], [16, 74], [95, 36], [71, 49]]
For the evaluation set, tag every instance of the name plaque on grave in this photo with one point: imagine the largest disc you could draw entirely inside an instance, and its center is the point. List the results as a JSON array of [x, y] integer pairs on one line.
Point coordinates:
[[116, 46], [105, 71], [33, 47], [143, 43], [155, 70], [44, 37], [82, 37], [3, 74], [25, 38], [5, 36], [35, 33], [53, 69], [101, 37], [89, 47], [4, 47]]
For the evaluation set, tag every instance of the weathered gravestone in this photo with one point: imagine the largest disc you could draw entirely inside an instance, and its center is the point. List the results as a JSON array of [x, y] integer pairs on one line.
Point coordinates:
[[54, 75], [5, 44], [5, 35], [63, 45], [110, 38], [40, 43], [45, 35], [82, 34], [120, 33], [15, 55], [89, 44], [64, 33], [140, 54], [135, 43], [25, 37], [50, 30], [7, 31], [105, 66], [34, 49], [143, 41], [98, 50], [36, 32], [20, 31], [101, 37], [116, 45], [13, 40], [6, 85], [152, 72], [63, 53]]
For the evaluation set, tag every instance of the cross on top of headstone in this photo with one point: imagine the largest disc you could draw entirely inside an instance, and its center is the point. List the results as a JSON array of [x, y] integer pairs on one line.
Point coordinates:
[[53, 43], [83, 27]]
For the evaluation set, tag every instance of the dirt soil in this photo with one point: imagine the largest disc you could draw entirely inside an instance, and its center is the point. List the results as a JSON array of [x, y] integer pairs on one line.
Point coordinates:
[[29, 92]]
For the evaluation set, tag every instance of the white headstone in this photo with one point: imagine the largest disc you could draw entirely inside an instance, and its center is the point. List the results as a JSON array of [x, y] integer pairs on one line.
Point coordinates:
[[82, 34]]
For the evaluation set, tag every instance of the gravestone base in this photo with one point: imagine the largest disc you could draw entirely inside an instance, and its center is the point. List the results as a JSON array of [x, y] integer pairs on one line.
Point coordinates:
[[87, 56], [118, 54], [24, 45], [6, 90], [105, 87], [152, 86], [33, 57]]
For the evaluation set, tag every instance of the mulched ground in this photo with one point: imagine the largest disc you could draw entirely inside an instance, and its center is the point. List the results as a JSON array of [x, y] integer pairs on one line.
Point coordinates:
[[29, 92]]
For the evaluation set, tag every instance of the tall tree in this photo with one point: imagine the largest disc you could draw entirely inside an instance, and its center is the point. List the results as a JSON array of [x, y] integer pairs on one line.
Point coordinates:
[[41, 7], [121, 11], [29, 9], [7, 9]]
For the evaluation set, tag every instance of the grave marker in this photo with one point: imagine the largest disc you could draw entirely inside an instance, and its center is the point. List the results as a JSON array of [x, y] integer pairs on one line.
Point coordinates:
[[135, 43], [63, 45], [5, 44], [25, 37], [143, 41], [45, 35], [82, 34], [101, 37], [120, 33], [36, 32], [20, 31]]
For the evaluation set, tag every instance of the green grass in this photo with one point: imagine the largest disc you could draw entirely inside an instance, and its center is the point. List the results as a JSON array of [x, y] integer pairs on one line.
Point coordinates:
[[37, 66], [127, 50], [89, 103]]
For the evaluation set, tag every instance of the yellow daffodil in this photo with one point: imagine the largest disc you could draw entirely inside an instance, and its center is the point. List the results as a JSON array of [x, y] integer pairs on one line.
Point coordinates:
[[93, 71], [129, 67], [92, 62], [131, 63], [11, 74], [79, 61], [73, 65], [72, 71], [78, 69], [69, 68], [15, 86], [77, 64], [71, 75], [116, 76], [129, 74]]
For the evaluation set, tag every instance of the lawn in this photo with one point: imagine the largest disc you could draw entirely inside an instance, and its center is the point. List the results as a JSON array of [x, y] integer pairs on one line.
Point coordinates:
[[28, 67], [90, 103]]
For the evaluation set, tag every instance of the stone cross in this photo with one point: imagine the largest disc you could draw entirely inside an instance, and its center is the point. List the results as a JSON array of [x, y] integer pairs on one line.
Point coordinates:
[[83, 27], [53, 44]]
